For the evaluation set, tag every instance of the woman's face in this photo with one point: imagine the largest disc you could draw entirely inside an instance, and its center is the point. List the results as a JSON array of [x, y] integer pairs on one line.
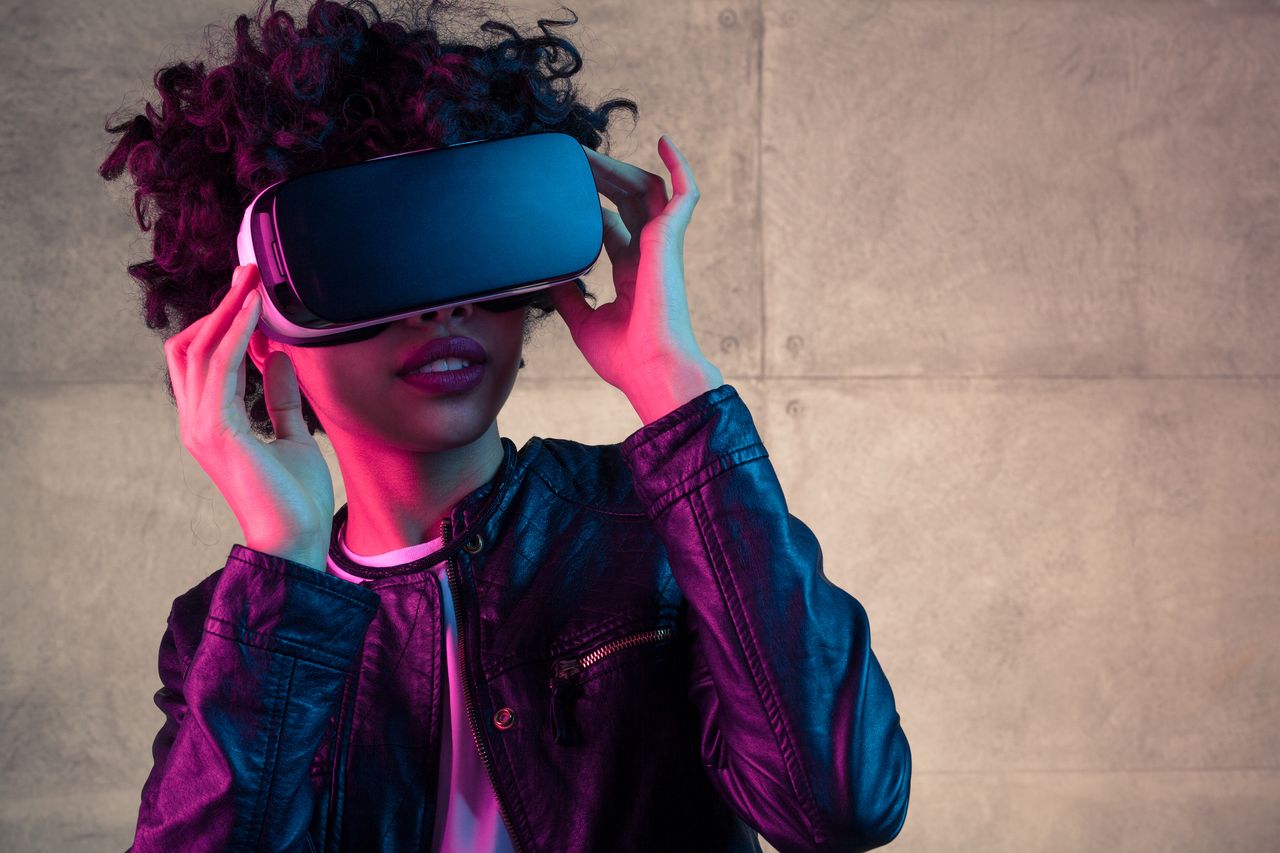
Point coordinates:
[[356, 393]]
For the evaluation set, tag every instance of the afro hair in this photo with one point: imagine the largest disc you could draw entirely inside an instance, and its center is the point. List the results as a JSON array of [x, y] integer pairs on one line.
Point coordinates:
[[291, 100]]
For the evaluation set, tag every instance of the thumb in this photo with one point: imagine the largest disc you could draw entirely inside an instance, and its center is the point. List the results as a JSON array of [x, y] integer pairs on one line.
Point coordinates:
[[284, 399]]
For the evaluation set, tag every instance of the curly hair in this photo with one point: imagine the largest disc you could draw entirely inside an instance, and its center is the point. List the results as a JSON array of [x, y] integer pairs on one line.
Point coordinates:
[[339, 90]]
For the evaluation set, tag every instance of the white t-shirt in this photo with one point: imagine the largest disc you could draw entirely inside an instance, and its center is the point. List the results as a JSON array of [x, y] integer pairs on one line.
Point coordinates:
[[467, 816]]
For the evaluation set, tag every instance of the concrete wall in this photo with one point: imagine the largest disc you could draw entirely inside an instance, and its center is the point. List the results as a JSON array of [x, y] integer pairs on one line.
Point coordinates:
[[998, 281]]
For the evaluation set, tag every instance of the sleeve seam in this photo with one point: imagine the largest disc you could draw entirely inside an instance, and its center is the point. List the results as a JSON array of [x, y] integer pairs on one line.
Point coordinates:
[[764, 689], [720, 464], [653, 430], [277, 644], [313, 582], [278, 713]]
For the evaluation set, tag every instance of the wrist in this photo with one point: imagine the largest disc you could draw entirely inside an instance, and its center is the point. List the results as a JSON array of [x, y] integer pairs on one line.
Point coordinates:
[[312, 557], [669, 385]]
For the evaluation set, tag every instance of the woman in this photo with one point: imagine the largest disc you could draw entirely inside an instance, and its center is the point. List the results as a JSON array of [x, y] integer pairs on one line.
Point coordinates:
[[557, 647]]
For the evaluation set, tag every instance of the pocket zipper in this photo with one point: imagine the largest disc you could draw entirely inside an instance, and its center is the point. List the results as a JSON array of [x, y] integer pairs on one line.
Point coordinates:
[[565, 675]]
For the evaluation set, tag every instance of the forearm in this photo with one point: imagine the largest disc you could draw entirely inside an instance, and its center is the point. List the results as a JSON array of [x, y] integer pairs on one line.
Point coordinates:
[[800, 730], [253, 665]]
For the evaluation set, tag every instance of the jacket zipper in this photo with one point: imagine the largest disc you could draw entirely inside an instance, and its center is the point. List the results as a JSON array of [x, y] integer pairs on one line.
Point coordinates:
[[566, 672], [454, 585]]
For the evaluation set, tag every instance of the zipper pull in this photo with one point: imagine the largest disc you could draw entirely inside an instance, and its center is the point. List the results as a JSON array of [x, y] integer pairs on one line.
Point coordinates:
[[563, 692]]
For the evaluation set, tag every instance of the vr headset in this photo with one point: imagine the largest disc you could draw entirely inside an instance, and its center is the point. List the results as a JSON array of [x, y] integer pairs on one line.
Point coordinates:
[[344, 252]]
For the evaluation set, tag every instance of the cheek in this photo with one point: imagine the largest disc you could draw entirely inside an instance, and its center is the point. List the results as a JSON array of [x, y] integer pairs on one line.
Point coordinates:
[[359, 397], [509, 333], [349, 377]]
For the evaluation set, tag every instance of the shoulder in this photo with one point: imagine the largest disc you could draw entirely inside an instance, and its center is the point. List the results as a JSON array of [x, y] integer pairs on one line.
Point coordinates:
[[591, 475], [185, 626]]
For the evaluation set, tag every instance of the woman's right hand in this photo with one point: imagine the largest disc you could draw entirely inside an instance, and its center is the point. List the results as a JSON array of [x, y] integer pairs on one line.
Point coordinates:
[[280, 491]]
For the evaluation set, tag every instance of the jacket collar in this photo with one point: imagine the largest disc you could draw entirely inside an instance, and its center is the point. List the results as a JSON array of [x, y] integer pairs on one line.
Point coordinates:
[[465, 518]]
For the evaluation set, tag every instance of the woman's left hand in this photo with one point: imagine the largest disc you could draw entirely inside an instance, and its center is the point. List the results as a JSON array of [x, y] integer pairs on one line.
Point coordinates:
[[644, 336]]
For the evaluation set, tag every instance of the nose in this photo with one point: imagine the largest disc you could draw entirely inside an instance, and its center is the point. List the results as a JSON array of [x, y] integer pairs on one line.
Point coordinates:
[[458, 313]]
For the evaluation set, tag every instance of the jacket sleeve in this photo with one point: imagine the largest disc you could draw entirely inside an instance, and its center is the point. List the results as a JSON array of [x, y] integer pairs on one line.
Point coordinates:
[[253, 665], [799, 731]]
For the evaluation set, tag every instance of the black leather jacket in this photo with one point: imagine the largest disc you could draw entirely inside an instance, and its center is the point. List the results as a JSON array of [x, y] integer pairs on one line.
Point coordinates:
[[653, 658]]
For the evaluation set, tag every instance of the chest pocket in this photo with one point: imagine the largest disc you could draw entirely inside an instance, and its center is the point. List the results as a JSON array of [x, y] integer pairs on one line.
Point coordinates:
[[572, 674]]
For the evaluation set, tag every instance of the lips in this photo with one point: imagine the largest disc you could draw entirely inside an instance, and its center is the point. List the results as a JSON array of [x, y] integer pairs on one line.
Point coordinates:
[[457, 346]]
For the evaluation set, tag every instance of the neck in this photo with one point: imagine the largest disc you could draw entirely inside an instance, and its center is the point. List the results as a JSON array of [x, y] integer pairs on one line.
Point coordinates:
[[396, 499]]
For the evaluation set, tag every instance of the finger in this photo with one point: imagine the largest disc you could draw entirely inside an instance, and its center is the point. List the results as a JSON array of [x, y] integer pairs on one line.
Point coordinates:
[[570, 304], [601, 169], [624, 255], [242, 376], [617, 239], [225, 362], [178, 348], [213, 327], [668, 228], [177, 373], [686, 191], [217, 326], [283, 396], [638, 195], [617, 178]]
